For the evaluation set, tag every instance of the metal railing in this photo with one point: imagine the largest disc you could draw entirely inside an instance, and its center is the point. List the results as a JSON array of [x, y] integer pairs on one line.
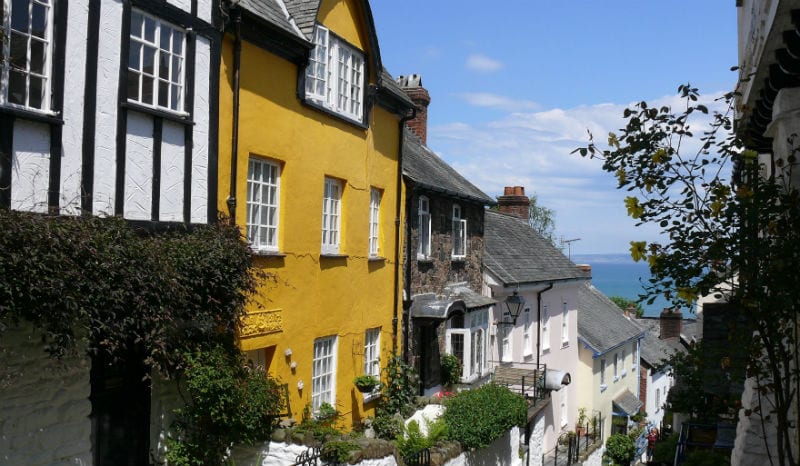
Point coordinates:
[[570, 446], [420, 458], [526, 379]]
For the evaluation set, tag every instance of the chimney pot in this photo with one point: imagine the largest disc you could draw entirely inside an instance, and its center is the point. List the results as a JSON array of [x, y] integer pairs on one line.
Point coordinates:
[[515, 202], [412, 86]]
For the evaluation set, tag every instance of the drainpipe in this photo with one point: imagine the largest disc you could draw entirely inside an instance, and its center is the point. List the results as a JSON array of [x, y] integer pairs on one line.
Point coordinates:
[[236, 14], [397, 229], [539, 322]]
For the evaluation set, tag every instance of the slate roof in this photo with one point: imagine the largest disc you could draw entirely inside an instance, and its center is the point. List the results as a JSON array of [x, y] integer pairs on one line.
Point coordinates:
[[304, 13], [390, 85], [654, 350], [628, 402], [422, 166], [515, 253], [601, 324], [272, 12]]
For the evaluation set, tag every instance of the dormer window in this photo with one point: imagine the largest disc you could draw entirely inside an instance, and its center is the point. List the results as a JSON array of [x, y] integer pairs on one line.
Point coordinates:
[[335, 75]]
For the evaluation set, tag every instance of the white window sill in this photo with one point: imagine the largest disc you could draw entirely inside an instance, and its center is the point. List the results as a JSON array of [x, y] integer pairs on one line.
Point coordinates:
[[268, 253], [424, 258], [458, 258], [603, 387], [616, 378], [565, 344], [624, 373], [634, 367]]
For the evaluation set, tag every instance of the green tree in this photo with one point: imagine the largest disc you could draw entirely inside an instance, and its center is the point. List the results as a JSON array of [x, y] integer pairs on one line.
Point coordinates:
[[731, 235], [624, 303], [542, 219]]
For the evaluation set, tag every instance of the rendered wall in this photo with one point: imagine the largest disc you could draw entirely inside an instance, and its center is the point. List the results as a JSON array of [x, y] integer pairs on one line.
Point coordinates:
[[44, 404], [309, 296]]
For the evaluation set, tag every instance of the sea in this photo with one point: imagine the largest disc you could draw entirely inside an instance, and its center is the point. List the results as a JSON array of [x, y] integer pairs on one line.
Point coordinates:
[[619, 275]]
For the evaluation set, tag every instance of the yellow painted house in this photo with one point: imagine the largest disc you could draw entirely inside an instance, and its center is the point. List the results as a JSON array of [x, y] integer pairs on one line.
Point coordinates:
[[310, 169]]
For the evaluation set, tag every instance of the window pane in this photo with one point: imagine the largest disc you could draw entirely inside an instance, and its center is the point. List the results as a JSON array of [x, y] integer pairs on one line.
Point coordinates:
[[19, 15], [163, 65], [37, 56], [166, 34], [136, 24], [149, 61], [133, 85], [16, 87], [163, 93], [36, 95], [176, 98], [149, 29], [176, 69], [19, 51], [177, 42], [135, 56], [39, 20], [147, 90]]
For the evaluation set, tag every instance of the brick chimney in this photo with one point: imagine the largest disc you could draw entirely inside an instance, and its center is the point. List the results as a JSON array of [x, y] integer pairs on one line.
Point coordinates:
[[515, 202], [670, 324], [412, 86]]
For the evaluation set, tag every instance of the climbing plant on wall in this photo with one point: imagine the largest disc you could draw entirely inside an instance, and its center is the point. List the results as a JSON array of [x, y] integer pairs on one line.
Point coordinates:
[[118, 286]]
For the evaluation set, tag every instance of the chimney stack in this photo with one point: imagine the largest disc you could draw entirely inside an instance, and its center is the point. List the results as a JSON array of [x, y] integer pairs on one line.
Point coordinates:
[[515, 202], [412, 86], [670, 324]]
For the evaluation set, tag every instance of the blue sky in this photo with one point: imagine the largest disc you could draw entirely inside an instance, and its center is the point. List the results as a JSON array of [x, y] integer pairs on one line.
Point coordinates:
[[515, 85]]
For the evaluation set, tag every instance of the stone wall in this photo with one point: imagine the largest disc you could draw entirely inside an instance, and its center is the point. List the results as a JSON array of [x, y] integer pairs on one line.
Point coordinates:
[[44, 403], [431, 275]]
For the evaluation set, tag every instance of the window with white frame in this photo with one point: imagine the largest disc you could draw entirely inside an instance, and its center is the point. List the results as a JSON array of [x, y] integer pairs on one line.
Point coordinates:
[[527, 333], [424, 248], [564, 414], [466, 340], [263, 189], [372, 340], [26, 53], [506, 342], [331, 216], [658, 399], [459, 233], [335, 75], [622, 360], [156, 63], [323, 376], [374, 222], [602, 372], [564, 325], [545, 328]]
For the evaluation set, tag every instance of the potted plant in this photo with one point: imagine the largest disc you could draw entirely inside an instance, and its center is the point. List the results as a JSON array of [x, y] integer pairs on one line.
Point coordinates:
[[580, 427], [366, 383]]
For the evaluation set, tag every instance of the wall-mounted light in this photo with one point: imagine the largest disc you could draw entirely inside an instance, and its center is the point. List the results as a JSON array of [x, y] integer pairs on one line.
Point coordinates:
[[514, 304]]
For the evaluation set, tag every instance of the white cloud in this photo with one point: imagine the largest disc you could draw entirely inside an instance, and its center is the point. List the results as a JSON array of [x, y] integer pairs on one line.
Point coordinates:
[[478, 62], [533, 149], [485, 99]]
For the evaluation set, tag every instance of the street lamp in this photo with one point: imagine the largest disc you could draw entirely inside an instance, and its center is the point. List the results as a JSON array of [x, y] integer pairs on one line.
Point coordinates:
[[514, 304]]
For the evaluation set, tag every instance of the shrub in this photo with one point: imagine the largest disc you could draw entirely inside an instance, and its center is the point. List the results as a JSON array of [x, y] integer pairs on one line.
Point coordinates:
[[620, 449], [228, 403], [451, 369], [400, 391], [338, 451], [387, 426], [664, 450], [475, 418], [412, 440], [707, 458]]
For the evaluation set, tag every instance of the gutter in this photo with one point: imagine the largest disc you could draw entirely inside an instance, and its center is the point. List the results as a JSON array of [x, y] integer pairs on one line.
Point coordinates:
[[539, 322], [397, 237], [237, 64]]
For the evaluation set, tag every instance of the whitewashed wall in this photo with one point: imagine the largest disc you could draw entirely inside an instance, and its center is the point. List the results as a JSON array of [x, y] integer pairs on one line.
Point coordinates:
[[30, 172], [44, 404], [505, 451], [656, 381]]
